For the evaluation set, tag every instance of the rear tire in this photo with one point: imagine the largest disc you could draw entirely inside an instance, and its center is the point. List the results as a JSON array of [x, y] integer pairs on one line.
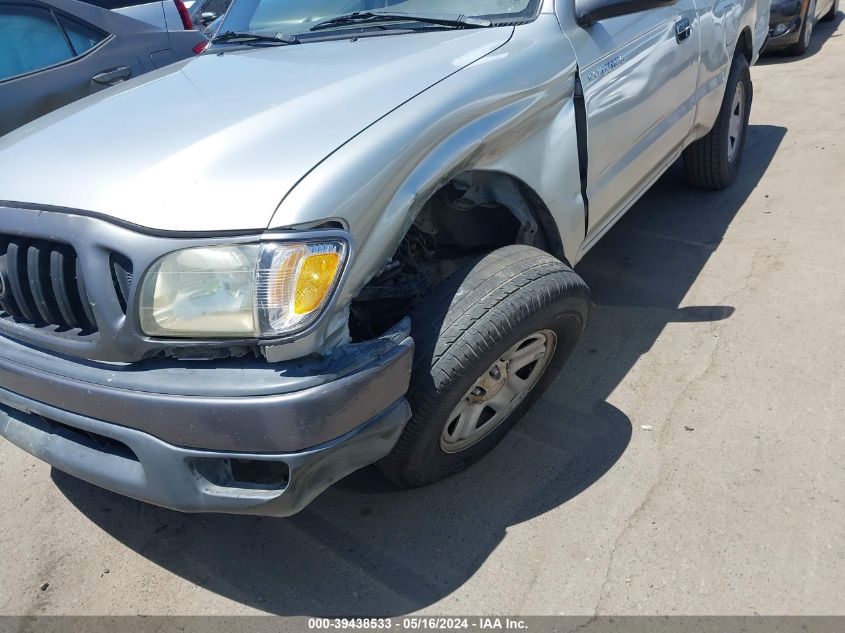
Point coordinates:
[[830, 16], [712, 162], [468, 336]]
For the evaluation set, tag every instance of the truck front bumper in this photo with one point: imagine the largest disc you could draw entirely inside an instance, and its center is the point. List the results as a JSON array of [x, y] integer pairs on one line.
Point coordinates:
[[237, 437]]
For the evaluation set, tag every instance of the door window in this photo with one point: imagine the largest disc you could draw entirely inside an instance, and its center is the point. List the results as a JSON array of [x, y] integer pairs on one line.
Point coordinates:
[[33, 38], [82, 37]]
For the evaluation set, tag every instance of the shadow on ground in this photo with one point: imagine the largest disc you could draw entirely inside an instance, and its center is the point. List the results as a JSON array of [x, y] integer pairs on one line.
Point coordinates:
[[822, 32], [363, 547]]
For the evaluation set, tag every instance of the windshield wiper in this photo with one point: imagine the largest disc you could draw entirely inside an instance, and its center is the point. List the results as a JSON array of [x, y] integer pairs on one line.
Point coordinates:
[[372, 17], [232, 37]]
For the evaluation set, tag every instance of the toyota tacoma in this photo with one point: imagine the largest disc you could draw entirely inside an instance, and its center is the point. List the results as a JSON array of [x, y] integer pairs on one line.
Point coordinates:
[[369, 258]]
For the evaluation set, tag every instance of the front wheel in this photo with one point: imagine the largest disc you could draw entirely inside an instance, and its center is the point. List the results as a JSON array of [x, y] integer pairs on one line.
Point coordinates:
[[712, 162], [805, 34], [487, 343]]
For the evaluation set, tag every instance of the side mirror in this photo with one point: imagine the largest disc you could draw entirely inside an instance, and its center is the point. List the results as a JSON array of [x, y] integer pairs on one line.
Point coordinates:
[[589, 11], [207, 17]]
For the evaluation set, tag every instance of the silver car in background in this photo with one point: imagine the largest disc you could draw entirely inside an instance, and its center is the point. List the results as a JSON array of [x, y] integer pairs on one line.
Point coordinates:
[[53, 52]]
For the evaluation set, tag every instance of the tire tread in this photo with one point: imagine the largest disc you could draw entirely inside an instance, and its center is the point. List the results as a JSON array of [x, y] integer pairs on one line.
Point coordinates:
[[513, 283], [706, 160]]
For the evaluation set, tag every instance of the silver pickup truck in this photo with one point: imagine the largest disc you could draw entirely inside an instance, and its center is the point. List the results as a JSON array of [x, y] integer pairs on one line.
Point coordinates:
[[370, 257]]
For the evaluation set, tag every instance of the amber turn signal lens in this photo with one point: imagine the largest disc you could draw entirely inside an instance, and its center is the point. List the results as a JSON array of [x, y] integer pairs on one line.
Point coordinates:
[[316, 276]]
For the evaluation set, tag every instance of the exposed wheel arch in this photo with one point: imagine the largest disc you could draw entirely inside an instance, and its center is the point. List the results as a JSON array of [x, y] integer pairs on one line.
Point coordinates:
[[476, 212], [483, 190]]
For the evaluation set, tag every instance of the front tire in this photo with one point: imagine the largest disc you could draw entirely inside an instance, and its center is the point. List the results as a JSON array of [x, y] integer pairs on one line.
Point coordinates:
[[712, 162], [805, 34], [488, 342]]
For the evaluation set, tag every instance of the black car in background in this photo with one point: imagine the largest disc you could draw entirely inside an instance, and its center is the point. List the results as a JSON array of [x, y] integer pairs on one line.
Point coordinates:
[[53, 52], [791, 23]]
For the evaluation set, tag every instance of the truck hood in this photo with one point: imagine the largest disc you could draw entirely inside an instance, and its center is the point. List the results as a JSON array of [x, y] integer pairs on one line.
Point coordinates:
[[215, 143]]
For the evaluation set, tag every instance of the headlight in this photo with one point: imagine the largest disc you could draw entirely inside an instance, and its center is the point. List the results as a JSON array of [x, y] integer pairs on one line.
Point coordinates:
[[250, 290]]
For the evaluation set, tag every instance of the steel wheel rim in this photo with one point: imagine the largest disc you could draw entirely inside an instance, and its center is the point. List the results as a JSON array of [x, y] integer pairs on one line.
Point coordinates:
[[736, 121], [498, 391]]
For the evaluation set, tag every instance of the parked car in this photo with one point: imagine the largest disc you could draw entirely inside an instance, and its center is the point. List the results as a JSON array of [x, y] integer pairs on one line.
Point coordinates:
[[791, 23], [371, 260], [204, 12], [53, 52]]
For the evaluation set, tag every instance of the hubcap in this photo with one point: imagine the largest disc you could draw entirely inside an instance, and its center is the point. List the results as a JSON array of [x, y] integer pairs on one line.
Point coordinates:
[[498, 391], [736, 121]]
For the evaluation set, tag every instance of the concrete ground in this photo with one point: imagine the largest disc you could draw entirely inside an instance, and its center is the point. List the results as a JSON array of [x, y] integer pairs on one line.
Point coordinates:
[[690, 459]]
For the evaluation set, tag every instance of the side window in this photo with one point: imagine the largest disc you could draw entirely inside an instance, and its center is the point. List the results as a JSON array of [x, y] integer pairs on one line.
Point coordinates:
[[30, 39], [82, 37], [33, 38]]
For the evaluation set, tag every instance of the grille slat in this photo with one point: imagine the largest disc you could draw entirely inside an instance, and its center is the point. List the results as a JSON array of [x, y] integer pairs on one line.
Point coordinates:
[[18, 281], [89, 321], [37, 270], [61, 276], [7, 301]]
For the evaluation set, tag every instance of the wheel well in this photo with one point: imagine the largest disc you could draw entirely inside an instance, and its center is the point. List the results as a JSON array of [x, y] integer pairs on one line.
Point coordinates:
[[472, 214], [744, 44], [479, 209]]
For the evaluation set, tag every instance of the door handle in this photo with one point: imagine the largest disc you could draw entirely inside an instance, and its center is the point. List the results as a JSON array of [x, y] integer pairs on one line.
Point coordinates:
[[683, 29], [113, 76]]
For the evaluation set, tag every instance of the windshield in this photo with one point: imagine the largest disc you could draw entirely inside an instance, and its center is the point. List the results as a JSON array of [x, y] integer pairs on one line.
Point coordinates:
[[296, 17]]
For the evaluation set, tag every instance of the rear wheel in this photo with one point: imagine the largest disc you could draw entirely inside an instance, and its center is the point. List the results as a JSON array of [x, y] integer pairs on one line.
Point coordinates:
[[488, 342], [712, 162], [807, 22], [830, 16]]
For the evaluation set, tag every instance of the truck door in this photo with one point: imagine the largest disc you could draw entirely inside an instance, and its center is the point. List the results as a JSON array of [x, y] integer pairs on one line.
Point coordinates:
[[638, 77]]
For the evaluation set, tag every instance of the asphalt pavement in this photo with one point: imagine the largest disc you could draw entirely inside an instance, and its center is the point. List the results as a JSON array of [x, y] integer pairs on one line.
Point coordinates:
[[689, 460]]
